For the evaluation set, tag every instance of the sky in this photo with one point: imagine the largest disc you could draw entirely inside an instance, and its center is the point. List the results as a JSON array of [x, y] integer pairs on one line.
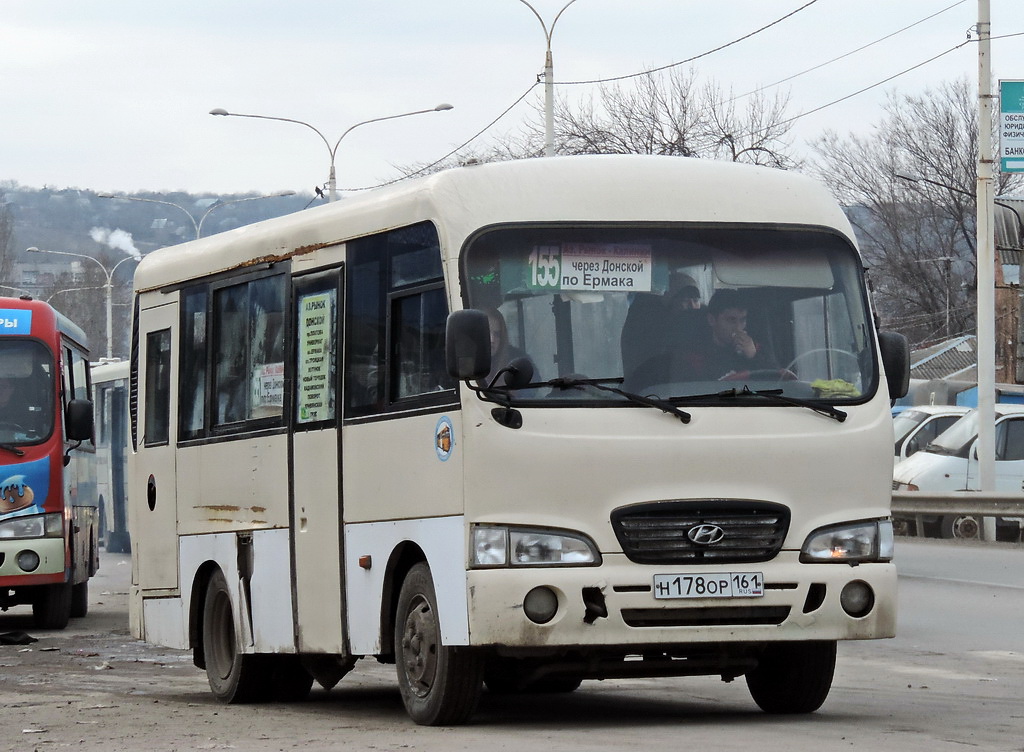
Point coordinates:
[[115, 95]]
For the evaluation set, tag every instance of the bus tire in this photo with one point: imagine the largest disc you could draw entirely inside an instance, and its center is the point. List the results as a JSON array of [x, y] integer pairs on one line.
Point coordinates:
[[234, 677], [793, 677], [51, 607], [440, 684], [80, 600]]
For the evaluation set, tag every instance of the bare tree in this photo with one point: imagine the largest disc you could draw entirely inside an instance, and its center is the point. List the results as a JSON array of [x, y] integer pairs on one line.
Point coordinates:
[[667, 114], [670, 114], [918, 237]]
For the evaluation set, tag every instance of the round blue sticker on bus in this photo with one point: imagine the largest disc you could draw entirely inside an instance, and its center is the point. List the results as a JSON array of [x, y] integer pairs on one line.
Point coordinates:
[[444, 438]]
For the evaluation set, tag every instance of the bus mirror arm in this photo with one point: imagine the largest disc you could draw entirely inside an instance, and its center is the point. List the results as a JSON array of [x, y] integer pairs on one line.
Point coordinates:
[[67, 454]]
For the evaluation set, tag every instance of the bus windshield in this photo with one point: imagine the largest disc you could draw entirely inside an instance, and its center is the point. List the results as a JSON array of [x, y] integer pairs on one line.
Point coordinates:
[[26, 392], [676, 312]]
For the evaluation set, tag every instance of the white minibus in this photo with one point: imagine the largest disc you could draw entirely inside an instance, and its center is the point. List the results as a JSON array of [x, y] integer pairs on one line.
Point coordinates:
[[513, 427]]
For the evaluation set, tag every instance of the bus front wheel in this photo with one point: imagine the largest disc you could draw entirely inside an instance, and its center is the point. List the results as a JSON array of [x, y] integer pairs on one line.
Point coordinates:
[[440, 684], [80, 600], [234, 677], [51, 607], [793, 677]]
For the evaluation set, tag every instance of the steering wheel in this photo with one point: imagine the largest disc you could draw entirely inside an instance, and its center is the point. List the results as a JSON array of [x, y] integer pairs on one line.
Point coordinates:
[[11, 426], [826, 351]]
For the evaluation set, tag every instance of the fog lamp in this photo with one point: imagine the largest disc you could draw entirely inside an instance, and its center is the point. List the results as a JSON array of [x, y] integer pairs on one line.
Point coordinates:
[[857, 598], [28, 561], [540, 605]]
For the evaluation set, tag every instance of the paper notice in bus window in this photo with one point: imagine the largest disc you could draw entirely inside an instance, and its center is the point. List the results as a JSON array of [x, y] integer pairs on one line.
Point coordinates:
[[267, 390], [314, 402], [598, 267]]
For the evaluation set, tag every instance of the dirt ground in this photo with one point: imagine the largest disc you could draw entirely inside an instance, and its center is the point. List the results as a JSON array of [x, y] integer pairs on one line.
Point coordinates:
[[948, 681]]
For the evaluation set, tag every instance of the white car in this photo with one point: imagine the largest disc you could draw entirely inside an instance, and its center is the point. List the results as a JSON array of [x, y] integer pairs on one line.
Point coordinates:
[[950, 463], [917, 426]]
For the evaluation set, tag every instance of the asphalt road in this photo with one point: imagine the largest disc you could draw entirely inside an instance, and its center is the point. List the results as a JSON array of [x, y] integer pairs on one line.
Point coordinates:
[[952, 679]]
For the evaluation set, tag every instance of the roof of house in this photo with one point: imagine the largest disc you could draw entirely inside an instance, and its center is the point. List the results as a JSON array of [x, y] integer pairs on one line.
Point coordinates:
[[954, 358]]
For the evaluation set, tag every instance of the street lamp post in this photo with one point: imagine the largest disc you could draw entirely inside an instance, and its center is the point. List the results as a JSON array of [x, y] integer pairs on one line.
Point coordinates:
[[109, 287], [197, 225], [549, 79], [332, 183]]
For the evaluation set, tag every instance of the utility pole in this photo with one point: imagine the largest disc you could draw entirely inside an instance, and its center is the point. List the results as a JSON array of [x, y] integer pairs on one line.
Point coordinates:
[[986, 267]]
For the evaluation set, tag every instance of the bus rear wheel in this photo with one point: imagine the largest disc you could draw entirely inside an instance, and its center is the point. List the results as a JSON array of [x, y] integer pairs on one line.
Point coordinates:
[[440, 684], [234, 677], [793, 677], [51, 607]]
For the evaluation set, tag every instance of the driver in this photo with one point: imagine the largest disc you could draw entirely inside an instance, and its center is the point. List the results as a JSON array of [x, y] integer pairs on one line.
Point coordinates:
[[14, 410], [728, 350]]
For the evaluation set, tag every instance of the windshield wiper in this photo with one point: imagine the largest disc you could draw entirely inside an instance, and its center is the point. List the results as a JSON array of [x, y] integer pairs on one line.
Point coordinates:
[[776, 395], [13, 450], [570, 382]]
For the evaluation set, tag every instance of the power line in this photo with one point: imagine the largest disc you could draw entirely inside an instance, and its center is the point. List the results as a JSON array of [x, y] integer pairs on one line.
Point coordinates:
[[464, 144], [887, 80], [848, 54], [691, 59]]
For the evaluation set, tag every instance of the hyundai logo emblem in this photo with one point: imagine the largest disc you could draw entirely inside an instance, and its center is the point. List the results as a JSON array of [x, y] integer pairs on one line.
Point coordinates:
[[705, 535]]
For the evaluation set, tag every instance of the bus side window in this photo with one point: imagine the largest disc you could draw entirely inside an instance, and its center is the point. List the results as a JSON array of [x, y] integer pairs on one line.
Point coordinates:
[[158, 387], [77, 385], [419, 344], [192, 379], [248, 338], [396, 310]]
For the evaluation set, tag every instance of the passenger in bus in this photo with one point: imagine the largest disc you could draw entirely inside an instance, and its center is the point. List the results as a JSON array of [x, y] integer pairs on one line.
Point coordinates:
[[657, 326], [728, 350], [503, 351]]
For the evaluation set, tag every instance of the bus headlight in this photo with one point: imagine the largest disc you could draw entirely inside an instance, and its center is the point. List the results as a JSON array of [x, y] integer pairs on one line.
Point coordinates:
[[849, 543], [500, 546], [33, 526]]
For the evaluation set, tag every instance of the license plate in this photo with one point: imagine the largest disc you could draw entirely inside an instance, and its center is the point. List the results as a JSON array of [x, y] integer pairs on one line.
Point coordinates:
[[719, 585]]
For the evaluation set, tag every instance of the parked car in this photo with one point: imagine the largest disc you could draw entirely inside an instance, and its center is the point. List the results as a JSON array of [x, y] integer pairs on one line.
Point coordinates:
[[916, 427], [950, 463]]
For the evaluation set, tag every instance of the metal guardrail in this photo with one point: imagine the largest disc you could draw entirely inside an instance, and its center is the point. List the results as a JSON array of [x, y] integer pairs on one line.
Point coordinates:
[[962, 502]]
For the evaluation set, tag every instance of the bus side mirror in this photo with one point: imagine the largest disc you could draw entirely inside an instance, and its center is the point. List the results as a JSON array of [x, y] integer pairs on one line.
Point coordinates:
[[78, 420], [896, 362], [467, 341]]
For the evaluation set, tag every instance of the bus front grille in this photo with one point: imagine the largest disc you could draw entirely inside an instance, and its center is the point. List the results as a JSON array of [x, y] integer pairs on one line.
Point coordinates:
[[718, 616], [705, 531]]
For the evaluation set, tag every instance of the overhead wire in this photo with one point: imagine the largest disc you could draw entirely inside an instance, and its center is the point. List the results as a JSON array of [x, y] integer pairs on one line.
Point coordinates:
[[882, 82], [690, 59], [847, 54], [464, 144]]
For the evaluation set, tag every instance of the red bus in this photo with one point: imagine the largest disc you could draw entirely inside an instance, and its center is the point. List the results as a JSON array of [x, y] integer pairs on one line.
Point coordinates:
[[48, 511]]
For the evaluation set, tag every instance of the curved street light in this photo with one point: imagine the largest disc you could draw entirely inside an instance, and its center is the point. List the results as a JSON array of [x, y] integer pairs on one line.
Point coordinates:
[[197, 225], [549, 79], [332, 185], [109, 286]]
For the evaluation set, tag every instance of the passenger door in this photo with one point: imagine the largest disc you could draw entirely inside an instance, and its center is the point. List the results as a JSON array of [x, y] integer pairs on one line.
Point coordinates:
[[316, 507], [152, 496]]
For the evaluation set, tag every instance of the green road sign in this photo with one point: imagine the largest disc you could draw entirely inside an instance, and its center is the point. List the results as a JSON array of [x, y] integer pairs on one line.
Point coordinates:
[[1011, 126]]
